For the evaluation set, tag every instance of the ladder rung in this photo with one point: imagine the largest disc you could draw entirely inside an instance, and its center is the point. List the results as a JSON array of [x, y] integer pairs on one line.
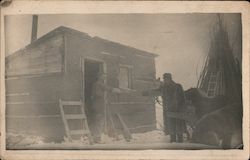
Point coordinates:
[[75, 116], [84, 130], [76, 132], [71, 103]]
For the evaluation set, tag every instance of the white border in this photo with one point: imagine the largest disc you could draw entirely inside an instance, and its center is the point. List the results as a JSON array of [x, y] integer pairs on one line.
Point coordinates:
[[69, 7]]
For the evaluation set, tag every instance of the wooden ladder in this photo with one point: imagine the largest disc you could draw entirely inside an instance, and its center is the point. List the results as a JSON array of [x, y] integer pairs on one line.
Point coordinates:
[[72, 116], [212, 83]]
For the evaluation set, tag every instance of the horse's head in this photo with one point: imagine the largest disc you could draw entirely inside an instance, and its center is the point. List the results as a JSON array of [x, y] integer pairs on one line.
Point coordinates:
[[194, 94]]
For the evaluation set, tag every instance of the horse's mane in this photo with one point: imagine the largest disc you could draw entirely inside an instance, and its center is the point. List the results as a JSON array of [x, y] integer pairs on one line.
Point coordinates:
[[197, 91]]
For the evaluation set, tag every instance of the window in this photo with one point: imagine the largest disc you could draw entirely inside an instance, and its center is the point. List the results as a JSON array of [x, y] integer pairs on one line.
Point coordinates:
[[125, 77]]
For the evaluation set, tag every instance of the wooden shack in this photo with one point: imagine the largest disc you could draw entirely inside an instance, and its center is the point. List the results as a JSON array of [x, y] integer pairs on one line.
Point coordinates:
[[63, 64]]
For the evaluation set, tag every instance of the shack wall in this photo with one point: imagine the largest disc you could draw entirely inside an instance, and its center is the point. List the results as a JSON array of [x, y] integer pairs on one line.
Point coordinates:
[[32, 106], [137, 111], [44, 57], [32, 97], [34, 80]]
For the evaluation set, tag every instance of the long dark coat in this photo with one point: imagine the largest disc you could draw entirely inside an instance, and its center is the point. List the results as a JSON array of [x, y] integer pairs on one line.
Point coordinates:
[[173, 101], [96, 112]]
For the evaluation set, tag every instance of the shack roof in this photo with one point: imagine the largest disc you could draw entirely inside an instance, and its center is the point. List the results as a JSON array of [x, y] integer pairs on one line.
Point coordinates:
[[63, 30]]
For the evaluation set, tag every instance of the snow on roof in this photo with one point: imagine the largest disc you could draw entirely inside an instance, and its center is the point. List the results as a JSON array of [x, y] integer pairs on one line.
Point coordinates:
[[62, 30]]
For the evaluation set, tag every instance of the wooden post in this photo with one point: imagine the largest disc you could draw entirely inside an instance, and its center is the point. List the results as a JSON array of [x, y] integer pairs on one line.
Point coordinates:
[[105, 99], [83, 80], [126, 132]]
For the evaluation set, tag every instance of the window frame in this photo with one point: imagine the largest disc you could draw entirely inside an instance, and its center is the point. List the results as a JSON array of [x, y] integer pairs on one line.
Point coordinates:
[[130, 76]]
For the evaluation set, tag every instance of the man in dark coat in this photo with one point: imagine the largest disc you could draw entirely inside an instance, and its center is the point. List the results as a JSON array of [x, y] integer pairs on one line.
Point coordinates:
[[97, 109], [173, 102], [98, 106]]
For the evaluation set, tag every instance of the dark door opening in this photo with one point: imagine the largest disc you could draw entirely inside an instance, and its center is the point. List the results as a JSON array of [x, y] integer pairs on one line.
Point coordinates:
[[92, 70]]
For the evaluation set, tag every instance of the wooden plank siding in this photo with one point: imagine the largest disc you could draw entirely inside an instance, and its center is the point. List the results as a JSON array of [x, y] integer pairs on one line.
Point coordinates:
[[45, 58], [51, 128], [36, 111], [32, 109], [145, 109], [51, 70], [47, 85]]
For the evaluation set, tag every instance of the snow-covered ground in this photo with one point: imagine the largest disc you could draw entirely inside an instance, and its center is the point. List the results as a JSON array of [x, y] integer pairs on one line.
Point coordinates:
[[156, 136], [148, 140], [152, 137], [14, 140], [159, 116]]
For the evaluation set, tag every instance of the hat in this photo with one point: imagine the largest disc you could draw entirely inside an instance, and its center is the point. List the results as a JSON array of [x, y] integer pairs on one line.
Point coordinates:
[[167, 75]]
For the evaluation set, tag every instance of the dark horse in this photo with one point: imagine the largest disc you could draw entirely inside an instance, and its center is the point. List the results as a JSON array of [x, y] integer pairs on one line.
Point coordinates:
[[222, 127], [203, 104], [219, 121]]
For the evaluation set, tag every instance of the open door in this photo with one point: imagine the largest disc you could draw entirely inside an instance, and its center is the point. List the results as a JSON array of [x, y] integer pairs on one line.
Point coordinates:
[[91, 69]]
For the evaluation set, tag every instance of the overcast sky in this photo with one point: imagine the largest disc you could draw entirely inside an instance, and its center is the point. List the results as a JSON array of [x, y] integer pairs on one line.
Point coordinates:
[[180, 40]]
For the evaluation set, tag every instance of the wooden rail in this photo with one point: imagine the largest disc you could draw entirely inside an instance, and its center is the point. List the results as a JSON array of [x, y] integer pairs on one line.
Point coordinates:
[[125, 103], [37, 116], [31, 102]]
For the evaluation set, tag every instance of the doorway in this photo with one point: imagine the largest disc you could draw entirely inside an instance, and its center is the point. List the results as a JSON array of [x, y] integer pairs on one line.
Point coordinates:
[[92, 70]]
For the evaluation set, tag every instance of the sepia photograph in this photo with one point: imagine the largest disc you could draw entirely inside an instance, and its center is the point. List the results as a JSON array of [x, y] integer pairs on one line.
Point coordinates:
[[114, 81], [123, 81]]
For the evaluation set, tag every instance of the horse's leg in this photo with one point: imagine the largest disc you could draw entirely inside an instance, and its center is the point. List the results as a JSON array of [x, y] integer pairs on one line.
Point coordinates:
[[236, 140], [226, 141], [187, 132]]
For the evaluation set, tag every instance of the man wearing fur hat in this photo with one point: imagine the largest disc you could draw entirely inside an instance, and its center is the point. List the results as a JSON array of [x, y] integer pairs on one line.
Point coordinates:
[[173, 101]]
